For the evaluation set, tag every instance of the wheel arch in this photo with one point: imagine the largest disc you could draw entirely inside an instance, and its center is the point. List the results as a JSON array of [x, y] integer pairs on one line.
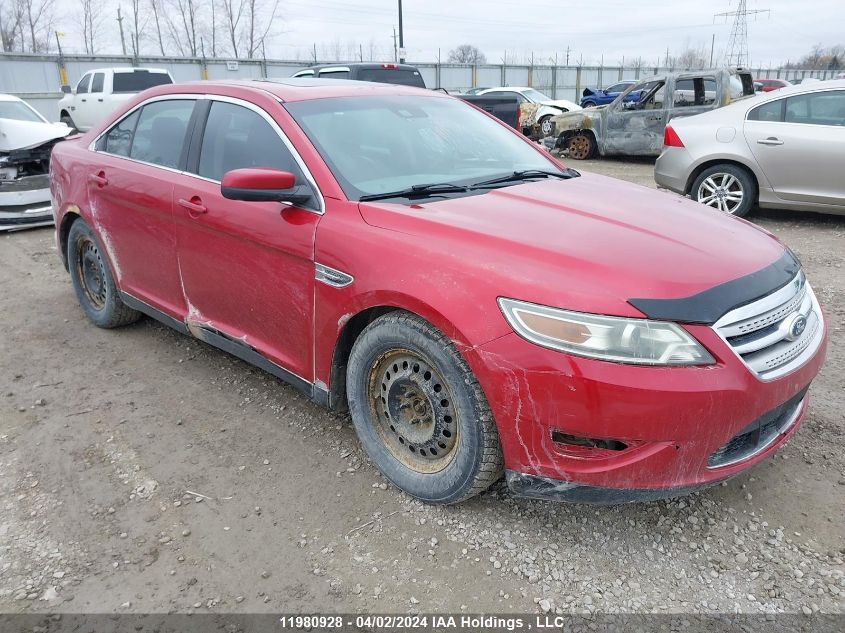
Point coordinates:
[[353, 323], [70, 216], [696, 172]]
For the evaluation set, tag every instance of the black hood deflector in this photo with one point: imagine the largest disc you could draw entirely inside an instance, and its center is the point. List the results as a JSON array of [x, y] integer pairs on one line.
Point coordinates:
[[709, 306]]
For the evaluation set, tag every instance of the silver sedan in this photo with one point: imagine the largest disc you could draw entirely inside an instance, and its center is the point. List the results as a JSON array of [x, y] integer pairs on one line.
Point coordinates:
[[781, 150]]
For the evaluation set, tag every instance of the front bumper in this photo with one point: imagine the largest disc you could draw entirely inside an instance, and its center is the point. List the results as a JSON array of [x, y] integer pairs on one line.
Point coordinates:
[[648, 432], [673, 168], [25, 203]]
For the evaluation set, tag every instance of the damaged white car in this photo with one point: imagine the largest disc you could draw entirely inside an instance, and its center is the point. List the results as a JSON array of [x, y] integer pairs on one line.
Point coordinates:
[[26, 140]]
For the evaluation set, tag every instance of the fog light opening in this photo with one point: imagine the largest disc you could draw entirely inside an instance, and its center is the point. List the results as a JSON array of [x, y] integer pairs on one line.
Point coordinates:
[[560, 437]]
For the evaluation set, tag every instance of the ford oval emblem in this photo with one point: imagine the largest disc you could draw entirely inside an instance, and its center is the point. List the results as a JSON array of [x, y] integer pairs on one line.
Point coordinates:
[[797, 327]]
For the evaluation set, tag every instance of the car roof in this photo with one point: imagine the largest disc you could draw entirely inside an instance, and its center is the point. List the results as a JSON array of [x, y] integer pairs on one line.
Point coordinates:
[[290, 89], [5, 97], [126, 69], [365, 65]]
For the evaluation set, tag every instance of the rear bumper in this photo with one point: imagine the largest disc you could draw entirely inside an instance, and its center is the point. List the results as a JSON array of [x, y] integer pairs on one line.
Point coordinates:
[[673, 168]]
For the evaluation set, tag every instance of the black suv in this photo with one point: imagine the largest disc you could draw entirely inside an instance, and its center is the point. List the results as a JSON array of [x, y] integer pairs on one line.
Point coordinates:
[[401, 74]]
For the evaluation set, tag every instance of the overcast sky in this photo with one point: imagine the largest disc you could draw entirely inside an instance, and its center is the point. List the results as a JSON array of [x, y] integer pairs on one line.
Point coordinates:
[[591, 28]]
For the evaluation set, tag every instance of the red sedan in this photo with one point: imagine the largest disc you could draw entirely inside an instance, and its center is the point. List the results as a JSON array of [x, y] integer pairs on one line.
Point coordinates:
[[768, 85], [478, 307]]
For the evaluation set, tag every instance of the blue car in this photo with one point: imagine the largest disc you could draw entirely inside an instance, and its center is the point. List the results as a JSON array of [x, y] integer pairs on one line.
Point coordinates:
[[593, 97]]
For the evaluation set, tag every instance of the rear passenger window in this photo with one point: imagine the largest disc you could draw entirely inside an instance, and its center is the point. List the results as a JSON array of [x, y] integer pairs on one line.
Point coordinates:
[[694, 92], [772, 111], [161, 131], [236, 137], [118, 140], [817, 108]]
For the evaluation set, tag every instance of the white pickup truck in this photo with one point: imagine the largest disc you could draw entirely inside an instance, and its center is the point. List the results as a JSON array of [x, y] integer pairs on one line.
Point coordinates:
[[101, 91]]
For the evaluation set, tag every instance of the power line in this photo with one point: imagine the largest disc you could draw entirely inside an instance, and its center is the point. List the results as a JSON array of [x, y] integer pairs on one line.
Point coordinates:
[[737, 51]]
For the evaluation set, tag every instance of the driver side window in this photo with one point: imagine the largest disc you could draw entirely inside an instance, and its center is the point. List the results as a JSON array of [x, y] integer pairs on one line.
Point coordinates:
[[82, 86]]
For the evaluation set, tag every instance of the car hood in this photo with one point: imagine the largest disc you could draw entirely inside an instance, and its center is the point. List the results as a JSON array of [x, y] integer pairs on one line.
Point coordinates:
[[589, 243], [582, 119], [562, 103], [16, 134]]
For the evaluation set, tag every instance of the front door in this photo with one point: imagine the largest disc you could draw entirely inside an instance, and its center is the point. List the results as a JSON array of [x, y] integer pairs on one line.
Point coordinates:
[[798, 142], [130, 189], [247, 268], [636, 128]]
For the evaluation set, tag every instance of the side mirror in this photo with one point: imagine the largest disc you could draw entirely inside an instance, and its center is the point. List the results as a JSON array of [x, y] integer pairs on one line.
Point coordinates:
[[260, 184], [66, 89]]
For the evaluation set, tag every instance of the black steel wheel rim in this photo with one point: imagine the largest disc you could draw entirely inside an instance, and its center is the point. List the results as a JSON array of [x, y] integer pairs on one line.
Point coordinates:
[[91, 273], [414, 412]]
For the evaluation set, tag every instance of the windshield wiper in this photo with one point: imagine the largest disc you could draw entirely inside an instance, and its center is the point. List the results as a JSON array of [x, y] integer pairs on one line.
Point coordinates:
[[526, 174], [416, 191]]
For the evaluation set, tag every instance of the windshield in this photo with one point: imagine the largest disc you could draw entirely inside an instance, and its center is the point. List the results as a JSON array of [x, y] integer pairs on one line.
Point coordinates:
[[379, 144], [18, 111], [536, 96]]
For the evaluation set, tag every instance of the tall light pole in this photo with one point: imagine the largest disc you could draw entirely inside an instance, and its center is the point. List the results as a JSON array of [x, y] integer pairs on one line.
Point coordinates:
[[401, 37]]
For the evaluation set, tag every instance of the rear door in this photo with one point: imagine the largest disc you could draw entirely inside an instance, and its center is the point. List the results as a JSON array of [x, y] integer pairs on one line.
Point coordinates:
[[247, 268], [693, 95], [799, 143], [130, 190]]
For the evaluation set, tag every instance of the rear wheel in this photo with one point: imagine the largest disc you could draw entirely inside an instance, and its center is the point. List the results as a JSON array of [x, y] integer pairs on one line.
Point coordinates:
[[581, 146], [93, 280], [419, 411], [727, 188]]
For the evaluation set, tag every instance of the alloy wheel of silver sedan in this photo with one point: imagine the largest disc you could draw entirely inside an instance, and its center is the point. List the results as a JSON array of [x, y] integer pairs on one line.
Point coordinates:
[[721, 191]]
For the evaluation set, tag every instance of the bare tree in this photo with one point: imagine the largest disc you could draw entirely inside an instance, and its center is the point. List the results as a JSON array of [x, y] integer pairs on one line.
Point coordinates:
[[466, 54], [11, 25], [156, 6], [233, 11], [256, 34], [182, 26], [38, 19], [90, 20], [138, 26], [821, 58]]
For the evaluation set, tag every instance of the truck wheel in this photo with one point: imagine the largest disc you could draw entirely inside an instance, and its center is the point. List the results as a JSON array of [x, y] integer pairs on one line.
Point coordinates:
[[69, 122], [727, 188], [419, 411], [581, 146], [93, 280], [547, 128]]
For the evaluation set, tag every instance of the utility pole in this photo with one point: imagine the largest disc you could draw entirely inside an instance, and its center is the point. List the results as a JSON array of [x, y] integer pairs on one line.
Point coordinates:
[[567, 55], [314, 51], [737, 51], [712, 46], [360, 52], [401, 36], [120, 23], [395, 49]]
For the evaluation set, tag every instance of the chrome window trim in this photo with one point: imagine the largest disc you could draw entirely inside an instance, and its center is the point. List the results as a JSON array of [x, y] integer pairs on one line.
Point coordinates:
[[234, 101], [335, 69], [787, 96]]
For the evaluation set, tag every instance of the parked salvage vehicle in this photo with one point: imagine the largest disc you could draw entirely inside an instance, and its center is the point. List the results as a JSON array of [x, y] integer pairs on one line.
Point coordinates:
[[399, 74], [635, 128], [592, 97], [26, 139], [100, 91], [768, 85], [536, 108], [400, 252], [782, 150]]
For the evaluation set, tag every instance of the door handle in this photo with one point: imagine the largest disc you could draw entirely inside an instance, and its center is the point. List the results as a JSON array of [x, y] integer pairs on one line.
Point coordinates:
[[100, 100], [99, 179], [84, 100], [194, 206], [770, 141]]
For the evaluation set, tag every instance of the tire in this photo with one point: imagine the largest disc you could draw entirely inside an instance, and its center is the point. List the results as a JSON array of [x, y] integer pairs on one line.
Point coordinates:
[[93, 281], [588, 104], [69, 122], [547, 128], [581, 146], [419, 411], [726, 188]]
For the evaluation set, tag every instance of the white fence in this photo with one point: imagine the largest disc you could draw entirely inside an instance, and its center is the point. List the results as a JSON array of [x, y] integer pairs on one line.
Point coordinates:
[[37, 78]]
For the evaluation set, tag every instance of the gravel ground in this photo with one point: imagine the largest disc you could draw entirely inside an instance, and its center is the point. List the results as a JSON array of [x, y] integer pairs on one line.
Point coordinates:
[[143, 471]]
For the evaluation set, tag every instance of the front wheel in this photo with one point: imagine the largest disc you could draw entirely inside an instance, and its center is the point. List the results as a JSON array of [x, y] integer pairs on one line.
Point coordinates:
[[726, 188], [419, 411], [588, 104], [581, 146], [546, 125], [69, 122]]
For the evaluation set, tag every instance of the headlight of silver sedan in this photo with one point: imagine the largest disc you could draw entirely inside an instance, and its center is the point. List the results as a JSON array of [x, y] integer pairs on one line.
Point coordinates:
[[617, 339]]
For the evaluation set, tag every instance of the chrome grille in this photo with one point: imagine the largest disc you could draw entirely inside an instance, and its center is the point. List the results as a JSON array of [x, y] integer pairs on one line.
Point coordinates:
[[767, 334]]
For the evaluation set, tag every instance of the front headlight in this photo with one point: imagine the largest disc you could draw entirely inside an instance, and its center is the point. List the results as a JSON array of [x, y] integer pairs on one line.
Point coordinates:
[[618, 339]]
